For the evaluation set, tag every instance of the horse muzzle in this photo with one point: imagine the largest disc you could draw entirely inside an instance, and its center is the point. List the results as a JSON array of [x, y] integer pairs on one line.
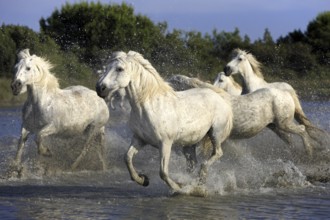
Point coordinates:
[[101, 90], [16, 87], [227, 70]]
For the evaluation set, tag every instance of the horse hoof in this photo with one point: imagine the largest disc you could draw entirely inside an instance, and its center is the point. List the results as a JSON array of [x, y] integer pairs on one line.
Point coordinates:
[[145, 180], [15, 172]]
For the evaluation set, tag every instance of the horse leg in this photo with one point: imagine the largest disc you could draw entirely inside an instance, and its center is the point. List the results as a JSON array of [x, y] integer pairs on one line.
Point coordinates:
[[46, 131], [101, 150], [90, 132], [190, 154], [216, 154], [21, 144], [281, 134], [136, 144], [301, 131], [16, 167], [165, 153]]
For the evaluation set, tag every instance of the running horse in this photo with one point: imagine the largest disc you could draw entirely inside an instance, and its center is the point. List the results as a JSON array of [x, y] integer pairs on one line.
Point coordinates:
[[249, 68], [48, 110], [162, 117], [266, 107]]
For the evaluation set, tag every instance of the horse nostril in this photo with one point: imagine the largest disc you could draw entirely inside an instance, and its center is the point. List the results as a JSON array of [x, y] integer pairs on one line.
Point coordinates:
[[100, 89], [16, 84], [227, 70]]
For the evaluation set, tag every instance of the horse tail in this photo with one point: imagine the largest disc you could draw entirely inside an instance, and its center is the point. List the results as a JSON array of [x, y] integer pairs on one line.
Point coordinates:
[[301, 118], [229, 125], [299, 114]]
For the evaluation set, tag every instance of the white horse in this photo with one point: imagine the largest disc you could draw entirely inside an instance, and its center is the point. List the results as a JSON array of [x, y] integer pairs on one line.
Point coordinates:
[[268, 107], [50, 110], [249, 69], [228, 84], [162, 117]]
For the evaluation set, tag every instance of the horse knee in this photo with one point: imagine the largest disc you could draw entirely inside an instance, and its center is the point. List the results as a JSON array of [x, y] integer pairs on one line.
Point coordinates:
[[163, 175]]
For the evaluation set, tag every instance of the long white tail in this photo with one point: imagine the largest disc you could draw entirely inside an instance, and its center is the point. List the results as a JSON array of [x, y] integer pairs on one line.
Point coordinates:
[[313, 131]]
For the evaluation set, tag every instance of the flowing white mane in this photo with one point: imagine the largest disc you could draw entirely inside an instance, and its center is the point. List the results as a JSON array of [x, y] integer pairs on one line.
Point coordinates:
[[150, 82], [255, 64], [43, 66]]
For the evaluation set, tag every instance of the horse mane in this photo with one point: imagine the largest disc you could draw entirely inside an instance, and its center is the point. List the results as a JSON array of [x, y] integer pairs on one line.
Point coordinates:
[[255, 64], [151, 83], [48, 78], [43, 66]]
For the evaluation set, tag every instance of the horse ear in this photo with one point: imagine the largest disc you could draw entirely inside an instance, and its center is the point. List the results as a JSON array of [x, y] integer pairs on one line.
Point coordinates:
[[117, 54], [24, 54], [132, 53]]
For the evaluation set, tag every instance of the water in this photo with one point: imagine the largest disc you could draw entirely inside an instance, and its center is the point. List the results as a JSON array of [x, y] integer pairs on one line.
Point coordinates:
[[259, 178]]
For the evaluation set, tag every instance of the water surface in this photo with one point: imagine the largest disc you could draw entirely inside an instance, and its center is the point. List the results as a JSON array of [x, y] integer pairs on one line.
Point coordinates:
[[256, 178]]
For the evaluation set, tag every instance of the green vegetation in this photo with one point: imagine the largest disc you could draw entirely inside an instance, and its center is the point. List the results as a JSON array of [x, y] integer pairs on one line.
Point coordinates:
[[79, 38]]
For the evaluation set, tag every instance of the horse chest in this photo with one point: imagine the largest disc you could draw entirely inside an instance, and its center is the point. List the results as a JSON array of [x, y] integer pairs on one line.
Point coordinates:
[[150, 128], [33, 118]]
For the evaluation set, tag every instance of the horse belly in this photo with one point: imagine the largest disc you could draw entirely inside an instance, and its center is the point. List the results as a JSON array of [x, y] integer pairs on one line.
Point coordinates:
[[83, 107], [249, 122], [196, 119], [186, 137]]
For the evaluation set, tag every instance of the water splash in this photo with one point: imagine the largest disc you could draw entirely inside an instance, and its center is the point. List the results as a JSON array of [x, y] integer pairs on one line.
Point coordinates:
[[258, 164]]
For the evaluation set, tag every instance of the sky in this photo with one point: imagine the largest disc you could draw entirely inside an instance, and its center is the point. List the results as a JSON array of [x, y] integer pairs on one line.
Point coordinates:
[[251, 17]]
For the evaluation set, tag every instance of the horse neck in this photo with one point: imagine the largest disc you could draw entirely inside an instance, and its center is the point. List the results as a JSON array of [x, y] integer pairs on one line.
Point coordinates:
[[40, 91], [146, 86], [251, 81]]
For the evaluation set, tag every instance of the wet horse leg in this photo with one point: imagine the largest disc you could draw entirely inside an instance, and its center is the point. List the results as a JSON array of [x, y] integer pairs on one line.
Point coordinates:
[[45, 131], [16, 168], [190, 155], [90, 130], [165, 153], [101, 150], [300, 130], [136, 144], [21, 144], [216, 154], [285, 136]]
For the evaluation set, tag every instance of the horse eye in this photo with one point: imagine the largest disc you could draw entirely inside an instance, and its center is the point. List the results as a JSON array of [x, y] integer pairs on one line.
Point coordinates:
[[240, 59], [28, 68], [119, 69]]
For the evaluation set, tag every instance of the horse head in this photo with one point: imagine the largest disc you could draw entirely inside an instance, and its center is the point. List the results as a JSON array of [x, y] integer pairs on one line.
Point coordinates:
[[115, 76], [243, 62], [29, 70], [221, 80], [22, 72], [237, 64]]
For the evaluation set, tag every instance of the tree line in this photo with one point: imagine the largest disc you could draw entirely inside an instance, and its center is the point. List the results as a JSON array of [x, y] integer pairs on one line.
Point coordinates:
[[78, 39]]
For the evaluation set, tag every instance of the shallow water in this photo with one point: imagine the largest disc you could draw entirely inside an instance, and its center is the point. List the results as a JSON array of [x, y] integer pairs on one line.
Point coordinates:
[[256, 178]]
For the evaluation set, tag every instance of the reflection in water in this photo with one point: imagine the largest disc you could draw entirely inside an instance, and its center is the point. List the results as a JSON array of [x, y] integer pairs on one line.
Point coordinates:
[[256, 178]]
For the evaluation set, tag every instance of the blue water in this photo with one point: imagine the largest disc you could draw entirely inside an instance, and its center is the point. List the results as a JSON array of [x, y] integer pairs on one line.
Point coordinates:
[[259, 178]]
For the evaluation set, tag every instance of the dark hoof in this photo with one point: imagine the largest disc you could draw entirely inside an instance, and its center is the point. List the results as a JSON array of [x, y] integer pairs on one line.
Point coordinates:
[[145, 180]]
